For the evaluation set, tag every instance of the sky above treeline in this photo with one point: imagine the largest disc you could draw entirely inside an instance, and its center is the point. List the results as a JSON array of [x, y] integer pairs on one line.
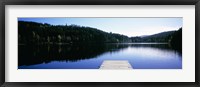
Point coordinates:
[[126, 26]]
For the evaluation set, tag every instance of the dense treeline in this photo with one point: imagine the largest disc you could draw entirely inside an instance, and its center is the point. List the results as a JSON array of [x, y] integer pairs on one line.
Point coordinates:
[[31, 32], [176, 41], [163, 37], [38, 33]]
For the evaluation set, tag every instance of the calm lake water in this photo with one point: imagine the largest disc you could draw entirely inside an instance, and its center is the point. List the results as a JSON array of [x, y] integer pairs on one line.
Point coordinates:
[[91, 56]]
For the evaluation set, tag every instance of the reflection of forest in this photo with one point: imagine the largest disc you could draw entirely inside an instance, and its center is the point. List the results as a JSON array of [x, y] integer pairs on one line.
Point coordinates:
[[37, 54]]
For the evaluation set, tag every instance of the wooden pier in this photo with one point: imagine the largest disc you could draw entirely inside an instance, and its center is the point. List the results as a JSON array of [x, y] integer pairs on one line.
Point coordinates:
[[115, 64]]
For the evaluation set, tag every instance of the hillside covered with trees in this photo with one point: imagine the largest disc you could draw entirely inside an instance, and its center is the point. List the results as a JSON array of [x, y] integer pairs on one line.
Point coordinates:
[[39, 33]]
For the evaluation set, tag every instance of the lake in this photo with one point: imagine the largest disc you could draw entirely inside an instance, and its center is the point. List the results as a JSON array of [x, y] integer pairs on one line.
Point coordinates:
[[91, 56]]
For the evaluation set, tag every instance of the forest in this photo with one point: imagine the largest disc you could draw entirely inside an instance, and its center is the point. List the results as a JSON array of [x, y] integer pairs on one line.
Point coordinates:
[[33, 33]]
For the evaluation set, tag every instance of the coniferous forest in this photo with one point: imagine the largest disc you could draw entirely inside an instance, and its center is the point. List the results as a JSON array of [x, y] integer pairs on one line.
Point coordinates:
[[39, 33]]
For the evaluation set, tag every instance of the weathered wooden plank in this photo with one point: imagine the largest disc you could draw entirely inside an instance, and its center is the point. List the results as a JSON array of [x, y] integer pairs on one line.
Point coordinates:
[[115, 64]]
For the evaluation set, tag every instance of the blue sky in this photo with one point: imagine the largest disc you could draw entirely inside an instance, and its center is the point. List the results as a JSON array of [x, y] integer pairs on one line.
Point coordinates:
[[125, 26]]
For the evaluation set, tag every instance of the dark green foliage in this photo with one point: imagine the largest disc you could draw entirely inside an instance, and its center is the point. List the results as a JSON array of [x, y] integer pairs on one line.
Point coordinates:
[[38, 33], [176, 41]]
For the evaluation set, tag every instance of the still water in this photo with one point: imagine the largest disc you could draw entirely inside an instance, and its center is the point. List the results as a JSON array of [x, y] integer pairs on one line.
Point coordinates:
[[91, 56]]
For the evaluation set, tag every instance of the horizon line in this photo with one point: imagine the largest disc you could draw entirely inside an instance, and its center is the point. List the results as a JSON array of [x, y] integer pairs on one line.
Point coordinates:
[[98, 28]]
